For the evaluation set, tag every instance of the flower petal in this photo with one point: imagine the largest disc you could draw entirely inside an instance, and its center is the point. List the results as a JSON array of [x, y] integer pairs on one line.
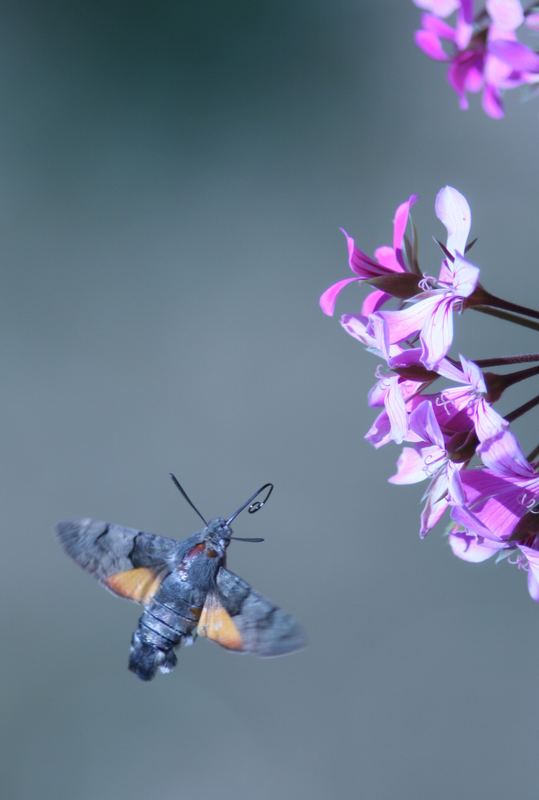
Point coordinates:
[[503, 456], [379, 434], [359, 262], [465, 277], [410, 467], [407, 321], [471, 548], [506, 14], [487, 422], [436, 25], [493, 505], [328, 299], [386, 256], [396, 411], [436, 334], [533, 573], [454, 213], [374, 301], [400, 221], [423, 422], [492, 102], [443, 8], [435, 506], [431, 45], [515, 54]]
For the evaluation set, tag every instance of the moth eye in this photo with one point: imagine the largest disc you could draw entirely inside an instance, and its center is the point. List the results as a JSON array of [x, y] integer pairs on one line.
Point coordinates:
[[212, 553]]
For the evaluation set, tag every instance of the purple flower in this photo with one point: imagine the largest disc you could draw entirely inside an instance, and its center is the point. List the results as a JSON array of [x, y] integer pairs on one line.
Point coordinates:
[[486, 56], [469, 397], [494, 506], [387, 261], [428, 458], [501, 495], [430, 313], [501, 516]]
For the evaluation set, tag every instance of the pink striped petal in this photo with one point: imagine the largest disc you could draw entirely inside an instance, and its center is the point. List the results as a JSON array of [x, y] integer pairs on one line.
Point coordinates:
[[396, 411], [465, 277], [423, 422], [493, 505], [472, 374], [502, 455], [454, 483], [437, 333], [487, 422], [409, 320]]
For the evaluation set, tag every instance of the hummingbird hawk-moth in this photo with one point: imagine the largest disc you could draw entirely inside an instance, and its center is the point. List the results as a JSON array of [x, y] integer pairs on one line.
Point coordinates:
[[184, 586]]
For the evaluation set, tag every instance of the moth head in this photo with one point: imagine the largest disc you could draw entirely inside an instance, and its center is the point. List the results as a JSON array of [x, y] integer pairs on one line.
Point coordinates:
[[217, 535], [219, 530]]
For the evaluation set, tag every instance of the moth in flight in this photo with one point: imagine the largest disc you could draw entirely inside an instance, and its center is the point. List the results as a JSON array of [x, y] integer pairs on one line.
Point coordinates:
[[184, 586]]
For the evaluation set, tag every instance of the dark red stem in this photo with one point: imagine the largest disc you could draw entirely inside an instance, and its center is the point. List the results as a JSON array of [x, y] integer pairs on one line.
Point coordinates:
[[505, 360], [518, 412]]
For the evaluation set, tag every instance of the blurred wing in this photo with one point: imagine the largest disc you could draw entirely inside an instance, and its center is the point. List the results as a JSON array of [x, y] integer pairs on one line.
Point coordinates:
[[130, 563], [238, 618]]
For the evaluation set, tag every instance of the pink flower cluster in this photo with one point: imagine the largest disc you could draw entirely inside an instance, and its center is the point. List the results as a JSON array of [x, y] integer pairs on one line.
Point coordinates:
[[452, 438], [483, 51]]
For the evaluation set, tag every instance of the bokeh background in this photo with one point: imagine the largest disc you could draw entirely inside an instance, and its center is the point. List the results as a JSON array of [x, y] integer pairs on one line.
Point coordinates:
[[173, 176]]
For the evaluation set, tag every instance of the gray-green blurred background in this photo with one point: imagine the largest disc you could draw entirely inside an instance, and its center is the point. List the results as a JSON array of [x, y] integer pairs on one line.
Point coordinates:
[[173, 176]]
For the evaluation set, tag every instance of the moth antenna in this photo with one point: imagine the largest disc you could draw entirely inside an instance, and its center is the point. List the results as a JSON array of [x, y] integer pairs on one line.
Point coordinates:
[[254, 504], [180, 488], [243, 539]]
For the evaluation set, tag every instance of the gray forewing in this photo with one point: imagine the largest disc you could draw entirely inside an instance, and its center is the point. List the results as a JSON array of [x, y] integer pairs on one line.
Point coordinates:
[[266, 629], [104, 549]]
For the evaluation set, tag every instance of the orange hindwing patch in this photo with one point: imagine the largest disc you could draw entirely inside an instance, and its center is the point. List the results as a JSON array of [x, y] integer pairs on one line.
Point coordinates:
[[216, 624], [139, 584]]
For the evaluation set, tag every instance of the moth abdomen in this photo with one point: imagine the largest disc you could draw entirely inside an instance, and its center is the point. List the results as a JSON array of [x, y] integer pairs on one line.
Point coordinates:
[[145, 657], [161, 629]]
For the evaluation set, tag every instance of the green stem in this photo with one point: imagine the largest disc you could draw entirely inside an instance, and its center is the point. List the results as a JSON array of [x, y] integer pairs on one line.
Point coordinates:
[[534, 453]]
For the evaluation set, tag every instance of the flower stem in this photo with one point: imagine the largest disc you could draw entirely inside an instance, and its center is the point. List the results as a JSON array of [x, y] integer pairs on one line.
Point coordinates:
[[520, 375], [489, 299], [518, 412], [534, 453], [496, 312], [505, 360]]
